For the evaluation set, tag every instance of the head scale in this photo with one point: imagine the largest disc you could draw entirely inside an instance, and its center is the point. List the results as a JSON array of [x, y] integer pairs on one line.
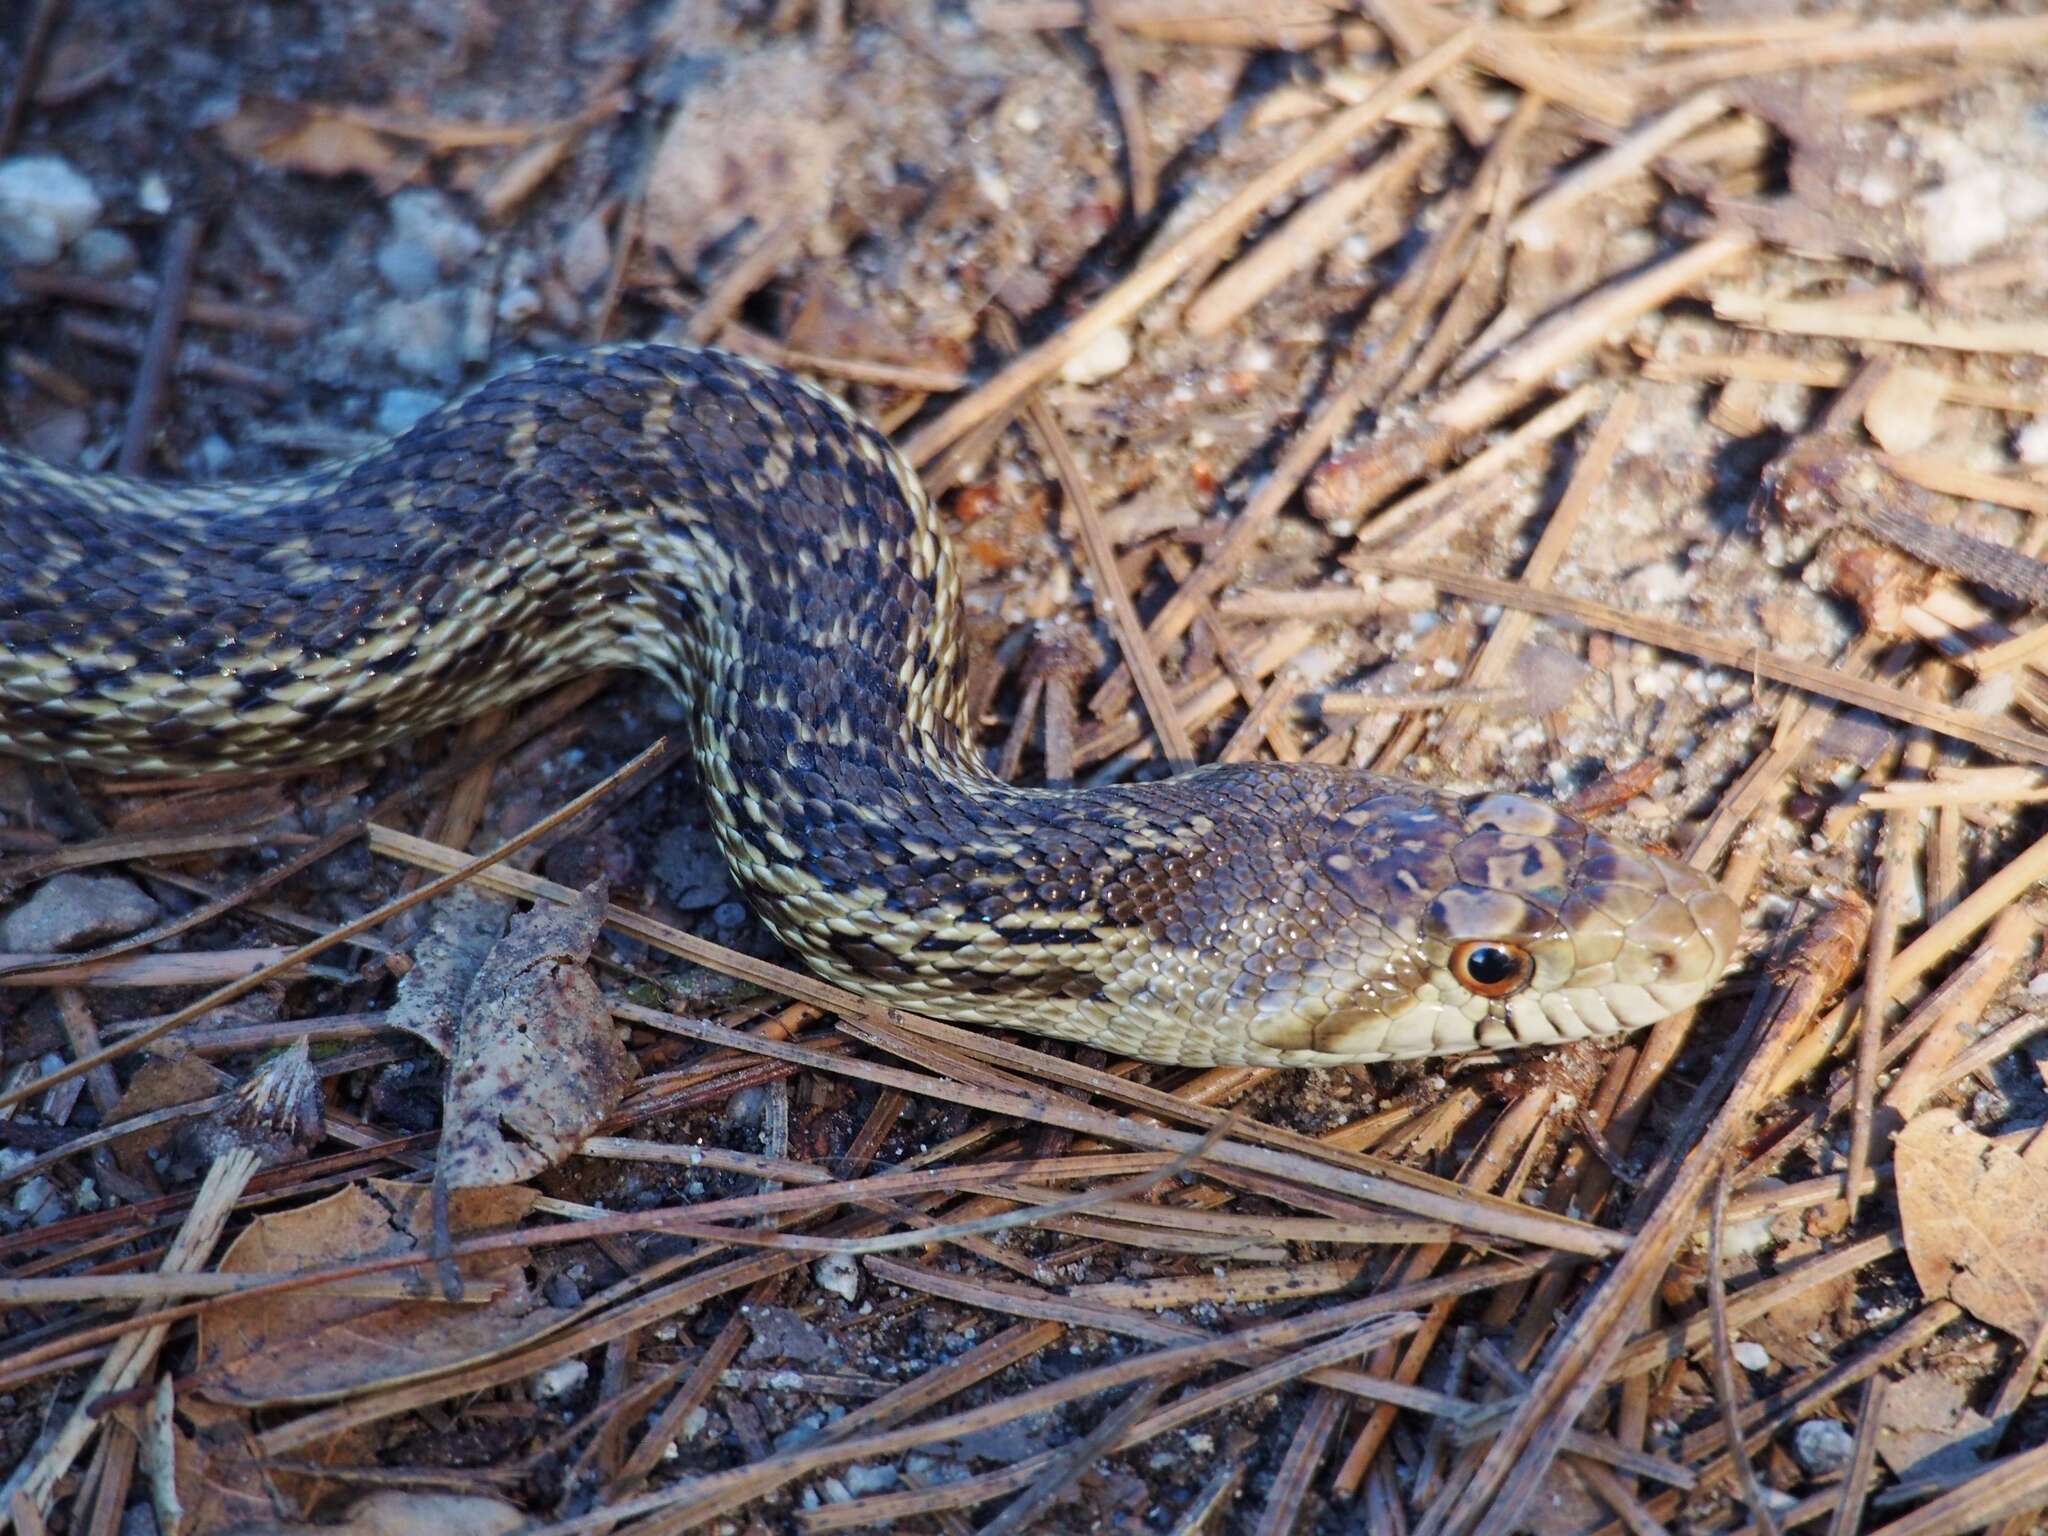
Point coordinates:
[[1494, 921]]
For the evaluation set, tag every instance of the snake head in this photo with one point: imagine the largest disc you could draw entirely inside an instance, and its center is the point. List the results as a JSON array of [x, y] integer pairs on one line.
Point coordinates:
[[1503, 921]]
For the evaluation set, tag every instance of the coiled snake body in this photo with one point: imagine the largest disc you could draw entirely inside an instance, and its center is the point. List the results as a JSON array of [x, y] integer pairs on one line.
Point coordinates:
[[741, 535]]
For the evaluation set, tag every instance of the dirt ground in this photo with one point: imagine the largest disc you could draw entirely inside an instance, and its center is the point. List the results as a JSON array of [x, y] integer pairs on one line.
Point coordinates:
[[1830, 275]]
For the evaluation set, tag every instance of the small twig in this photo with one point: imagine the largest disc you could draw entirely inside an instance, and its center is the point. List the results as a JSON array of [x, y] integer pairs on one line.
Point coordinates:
[[1489, 670], [1540, 221], [2008, 742], [1305, 1452], [1824, 317], [918, 377], [1127, 89], [1862, 1460], [140, 298], [160, 346], [1724, 1362], [189, 359], [2015, 38], [754, 267], [1070, 1461], [1108, 583], [1893, 879], [34, 50]]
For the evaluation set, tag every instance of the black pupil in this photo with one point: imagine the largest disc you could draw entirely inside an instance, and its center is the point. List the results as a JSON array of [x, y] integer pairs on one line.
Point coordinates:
[[1490, 965]]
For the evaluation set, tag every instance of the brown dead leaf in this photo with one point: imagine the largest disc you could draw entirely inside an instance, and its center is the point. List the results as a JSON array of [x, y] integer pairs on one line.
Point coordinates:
[[1976, 1219], [538, 1061], [464, 925], [306, 1347], [320, 141], [205, 1473], [163, 1083], [756, 146]]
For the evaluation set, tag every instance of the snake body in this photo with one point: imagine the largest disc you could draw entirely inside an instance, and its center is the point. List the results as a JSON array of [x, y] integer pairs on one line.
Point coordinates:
[[740, 534]]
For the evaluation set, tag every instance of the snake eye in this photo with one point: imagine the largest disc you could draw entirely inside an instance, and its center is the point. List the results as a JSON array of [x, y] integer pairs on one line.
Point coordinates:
[[1491, 969]]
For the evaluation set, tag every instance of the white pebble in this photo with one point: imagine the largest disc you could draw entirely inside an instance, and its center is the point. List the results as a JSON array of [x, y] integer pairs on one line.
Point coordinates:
[[837, 1273], [44, 206], [1752, 1356], [1104, 357], [864, 1478], [560, 1380], [2030, 443]]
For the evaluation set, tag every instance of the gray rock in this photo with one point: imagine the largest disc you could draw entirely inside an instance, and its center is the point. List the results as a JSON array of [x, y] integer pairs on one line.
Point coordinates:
[[587, 256], [1823, 1447], [422, 336], [398, 409], [72, 911], [408, 267], [779, 1334], [870, 1477], [44, 206], [427, 218], [104, 253], [519, 304]]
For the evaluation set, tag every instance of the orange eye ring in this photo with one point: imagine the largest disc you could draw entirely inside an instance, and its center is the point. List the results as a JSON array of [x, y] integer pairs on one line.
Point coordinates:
[[1492, 967]]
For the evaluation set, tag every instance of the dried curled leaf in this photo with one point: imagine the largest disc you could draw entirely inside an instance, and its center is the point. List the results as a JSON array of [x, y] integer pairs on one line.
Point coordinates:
[[320, 141], [538, 1061], [1976, 1219], [312, 1346], [464, 925]]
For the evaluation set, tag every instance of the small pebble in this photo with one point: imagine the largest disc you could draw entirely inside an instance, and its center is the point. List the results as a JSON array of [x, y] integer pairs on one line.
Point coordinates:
[[44, 206], [837, 1273], [408, 267], [104, 253], [38, 1202], [422, 336], [559, 1381], [153, 194], [2030, 443], [863, 1478], [519, 304], [1104, 357], [587, 257], [71, 911], [428, 218], [1823, 1447], [1751, 1356]]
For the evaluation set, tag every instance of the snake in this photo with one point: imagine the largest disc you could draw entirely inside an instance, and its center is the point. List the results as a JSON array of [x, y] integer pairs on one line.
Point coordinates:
[[743, 536]]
